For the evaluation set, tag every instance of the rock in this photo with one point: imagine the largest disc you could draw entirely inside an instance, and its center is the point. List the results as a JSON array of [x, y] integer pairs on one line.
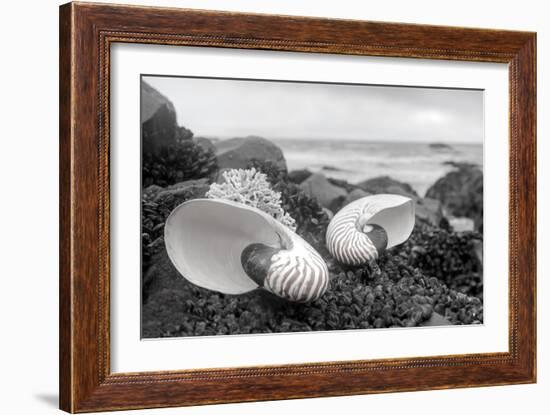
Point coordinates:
[[354, 195], [299, 176], [461, 194], [429, 210], [436, 319], [385, 184], [328, 195], [158, 117], [440, 146], [462, 224], [152, 101], [239, 153], [190, 189]]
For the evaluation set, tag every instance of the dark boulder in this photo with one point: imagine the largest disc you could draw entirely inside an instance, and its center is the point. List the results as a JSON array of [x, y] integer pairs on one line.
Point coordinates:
[[159, 121], [318, 187], [240, 152], [299, 176], [461, 193], [158, 118], [385, 184]]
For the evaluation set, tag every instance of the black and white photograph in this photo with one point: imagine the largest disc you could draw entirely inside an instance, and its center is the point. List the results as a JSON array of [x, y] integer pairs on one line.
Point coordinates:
[[276, 206]]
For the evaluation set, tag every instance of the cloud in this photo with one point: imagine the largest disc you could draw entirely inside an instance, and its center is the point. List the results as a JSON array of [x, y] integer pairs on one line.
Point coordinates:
[[225, 108]]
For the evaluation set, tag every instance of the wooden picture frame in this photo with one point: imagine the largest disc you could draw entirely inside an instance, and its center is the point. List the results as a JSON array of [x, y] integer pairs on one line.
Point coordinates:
[[86, 33]]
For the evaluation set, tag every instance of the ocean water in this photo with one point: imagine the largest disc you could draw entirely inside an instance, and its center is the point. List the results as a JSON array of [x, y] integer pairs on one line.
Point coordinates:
[[417, 164]]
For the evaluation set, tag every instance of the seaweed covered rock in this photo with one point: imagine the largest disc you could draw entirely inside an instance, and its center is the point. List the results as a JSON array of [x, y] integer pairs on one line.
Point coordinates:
[[449, 256], [461, 193], [385, 184], [190, 189], [205, 143], [156, 205], [237, 153], [311, 219], [393, 294], [318, 187], [176, 163]]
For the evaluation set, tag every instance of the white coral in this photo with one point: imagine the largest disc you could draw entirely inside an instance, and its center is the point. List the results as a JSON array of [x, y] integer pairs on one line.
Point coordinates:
[[251, 188]]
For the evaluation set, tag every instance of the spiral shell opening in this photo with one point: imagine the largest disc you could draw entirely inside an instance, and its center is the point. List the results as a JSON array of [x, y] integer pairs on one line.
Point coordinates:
[[346, 239]]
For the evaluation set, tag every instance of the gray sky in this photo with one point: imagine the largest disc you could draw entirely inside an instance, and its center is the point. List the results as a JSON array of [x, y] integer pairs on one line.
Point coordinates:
[[231, 108]]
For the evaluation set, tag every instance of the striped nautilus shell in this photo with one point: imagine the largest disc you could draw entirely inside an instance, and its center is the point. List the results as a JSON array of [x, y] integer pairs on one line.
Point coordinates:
[[362, 230], [233, 248]]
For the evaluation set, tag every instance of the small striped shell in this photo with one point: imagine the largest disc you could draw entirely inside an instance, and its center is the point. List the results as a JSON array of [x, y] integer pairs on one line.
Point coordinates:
[[349, 245], [205, 238]]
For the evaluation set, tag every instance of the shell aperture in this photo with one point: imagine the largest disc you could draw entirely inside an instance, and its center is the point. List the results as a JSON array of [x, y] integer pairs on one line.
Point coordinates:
[[256, 261], [377, 235], [362, 230], [233, 248]]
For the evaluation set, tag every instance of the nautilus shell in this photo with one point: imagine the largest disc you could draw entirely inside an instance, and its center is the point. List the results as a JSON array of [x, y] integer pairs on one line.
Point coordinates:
[[362, 230], [233, 248]]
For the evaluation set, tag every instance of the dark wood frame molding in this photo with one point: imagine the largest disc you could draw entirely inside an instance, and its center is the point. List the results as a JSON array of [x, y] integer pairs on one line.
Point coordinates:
[[86, 33]]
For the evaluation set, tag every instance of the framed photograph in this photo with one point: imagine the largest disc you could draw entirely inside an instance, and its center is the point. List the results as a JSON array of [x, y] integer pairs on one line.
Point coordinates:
[[259, 207]]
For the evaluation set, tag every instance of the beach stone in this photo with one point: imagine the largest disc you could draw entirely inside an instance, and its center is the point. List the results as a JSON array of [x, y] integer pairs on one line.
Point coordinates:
[[436, 319], [354, 195], [429, 210], [385, 184], [240, 152], [299, 176], [190, 189], [328, 195], [461, 194], [462, 224]]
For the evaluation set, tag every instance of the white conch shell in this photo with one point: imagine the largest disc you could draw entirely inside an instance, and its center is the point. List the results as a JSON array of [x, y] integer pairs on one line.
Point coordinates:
[[349, 245], [205, 239]]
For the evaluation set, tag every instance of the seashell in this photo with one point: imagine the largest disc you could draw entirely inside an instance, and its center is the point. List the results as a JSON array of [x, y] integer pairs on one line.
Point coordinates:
[[233, 248], [363, 229]]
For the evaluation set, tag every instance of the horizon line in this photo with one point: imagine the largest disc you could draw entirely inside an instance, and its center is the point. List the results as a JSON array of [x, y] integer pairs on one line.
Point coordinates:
[[369, 140]]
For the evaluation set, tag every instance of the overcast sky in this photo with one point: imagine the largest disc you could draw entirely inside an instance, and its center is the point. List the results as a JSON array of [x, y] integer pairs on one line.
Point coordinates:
[[232, 108]]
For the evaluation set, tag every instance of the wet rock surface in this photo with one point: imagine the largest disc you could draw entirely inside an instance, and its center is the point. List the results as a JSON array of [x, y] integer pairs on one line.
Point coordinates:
[[461, 193]]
